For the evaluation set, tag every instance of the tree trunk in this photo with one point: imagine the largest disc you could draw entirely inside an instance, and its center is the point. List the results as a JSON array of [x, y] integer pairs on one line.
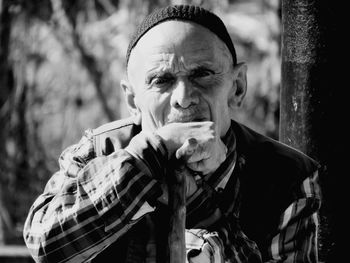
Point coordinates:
[[311, 102]]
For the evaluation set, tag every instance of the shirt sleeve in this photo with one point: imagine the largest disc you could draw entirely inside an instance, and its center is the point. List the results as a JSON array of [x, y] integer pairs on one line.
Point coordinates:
[[296, 238], [92, 201]]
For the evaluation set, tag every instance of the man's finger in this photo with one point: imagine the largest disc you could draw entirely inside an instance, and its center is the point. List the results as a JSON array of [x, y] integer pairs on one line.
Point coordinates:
[[187, 149]]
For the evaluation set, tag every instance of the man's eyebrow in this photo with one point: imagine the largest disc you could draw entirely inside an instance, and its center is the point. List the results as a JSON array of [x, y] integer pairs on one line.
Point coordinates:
[[204, 65]]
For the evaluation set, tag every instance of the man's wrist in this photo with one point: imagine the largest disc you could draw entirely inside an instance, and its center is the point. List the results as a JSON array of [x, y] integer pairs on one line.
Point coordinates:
[[166, 141], [150, 149]]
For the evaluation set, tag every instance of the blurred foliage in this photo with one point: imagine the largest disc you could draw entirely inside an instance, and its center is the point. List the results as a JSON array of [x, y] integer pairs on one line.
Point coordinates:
[[61, 63]]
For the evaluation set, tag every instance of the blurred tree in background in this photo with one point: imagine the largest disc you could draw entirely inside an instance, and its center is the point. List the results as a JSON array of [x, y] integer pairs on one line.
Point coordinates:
[[60, 66]]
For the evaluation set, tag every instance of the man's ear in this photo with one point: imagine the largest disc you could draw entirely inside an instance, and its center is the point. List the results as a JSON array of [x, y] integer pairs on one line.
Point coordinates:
[[239, 87], [130, 98]]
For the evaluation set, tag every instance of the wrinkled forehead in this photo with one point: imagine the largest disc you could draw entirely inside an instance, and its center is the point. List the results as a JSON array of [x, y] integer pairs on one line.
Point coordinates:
[[188, 40]]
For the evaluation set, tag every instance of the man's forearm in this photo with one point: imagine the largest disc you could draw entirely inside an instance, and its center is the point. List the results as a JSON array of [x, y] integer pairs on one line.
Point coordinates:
[[92, 210]]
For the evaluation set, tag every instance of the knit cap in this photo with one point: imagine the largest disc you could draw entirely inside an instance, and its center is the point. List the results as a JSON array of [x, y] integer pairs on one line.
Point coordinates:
[[190, 13]]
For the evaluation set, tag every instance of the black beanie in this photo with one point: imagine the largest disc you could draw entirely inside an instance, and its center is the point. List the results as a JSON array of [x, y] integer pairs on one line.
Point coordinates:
[[190, 13]]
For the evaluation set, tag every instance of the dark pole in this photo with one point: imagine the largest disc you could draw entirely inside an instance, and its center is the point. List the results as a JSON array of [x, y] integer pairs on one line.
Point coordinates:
[[302, 60], [312, 104]]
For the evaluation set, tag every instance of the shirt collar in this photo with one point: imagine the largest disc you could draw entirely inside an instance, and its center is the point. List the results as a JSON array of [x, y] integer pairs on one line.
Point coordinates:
[[226, 167]]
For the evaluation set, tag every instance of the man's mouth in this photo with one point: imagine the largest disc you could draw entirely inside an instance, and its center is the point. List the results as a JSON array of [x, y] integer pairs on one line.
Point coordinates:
[[186, 119]]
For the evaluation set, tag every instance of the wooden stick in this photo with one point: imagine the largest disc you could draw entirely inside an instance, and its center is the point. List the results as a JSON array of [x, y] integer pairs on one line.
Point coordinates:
[[177, 206]]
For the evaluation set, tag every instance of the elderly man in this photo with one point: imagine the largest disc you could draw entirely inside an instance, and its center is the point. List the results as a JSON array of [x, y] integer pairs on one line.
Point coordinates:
[[249, 198]]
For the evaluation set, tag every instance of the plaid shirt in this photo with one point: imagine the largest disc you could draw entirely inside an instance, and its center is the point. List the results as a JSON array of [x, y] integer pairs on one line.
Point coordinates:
[[92, 201]]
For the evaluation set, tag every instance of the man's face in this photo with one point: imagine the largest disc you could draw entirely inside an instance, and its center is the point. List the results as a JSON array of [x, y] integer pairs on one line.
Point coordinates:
[[181, 72]]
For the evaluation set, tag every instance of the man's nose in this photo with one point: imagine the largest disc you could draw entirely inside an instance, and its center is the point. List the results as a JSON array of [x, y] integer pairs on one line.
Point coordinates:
[[184, 94]]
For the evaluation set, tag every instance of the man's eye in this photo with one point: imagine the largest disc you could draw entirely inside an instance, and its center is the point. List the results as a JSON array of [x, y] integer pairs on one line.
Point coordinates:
[[161, 80], [201, 73]]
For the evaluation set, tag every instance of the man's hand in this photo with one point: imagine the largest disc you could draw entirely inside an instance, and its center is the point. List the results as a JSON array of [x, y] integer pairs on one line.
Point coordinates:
[[197, 143]]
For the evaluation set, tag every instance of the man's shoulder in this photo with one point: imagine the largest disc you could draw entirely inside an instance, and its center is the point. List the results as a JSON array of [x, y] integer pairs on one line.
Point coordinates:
[[114, 125], [273, 151], [292, 157], [271, 179], [114, 135]]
